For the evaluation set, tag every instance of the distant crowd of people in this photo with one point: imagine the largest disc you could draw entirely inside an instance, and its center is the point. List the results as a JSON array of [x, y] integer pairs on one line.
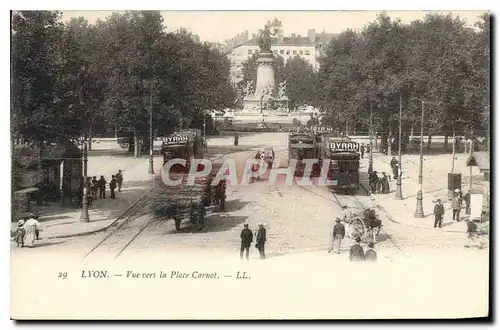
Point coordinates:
[[98, 187]]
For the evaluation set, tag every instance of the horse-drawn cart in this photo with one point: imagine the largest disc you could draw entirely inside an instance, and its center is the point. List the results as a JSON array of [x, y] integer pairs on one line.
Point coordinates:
[[192, 201], [366, 226]]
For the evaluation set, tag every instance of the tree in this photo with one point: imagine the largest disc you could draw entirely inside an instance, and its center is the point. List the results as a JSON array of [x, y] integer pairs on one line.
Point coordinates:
[[300, 78], [36, 106]]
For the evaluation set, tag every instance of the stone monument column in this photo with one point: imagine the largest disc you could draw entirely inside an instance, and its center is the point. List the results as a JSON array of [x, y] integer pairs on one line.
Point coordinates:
[[265, 75]]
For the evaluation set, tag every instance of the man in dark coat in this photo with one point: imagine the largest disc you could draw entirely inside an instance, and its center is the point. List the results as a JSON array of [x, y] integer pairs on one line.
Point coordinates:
[[102, 187], [119, 180], [112, 186], [261, 241], [370, 254], [456, 204], [236, 139], [338, 235], [438, 214], [385, 184], [373, 181], [393, 163], [362, 150], [357, 254], [395, 171], [246, 240]]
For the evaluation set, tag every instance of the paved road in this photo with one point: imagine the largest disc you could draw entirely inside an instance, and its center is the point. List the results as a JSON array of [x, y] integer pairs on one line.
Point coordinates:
[[298, 219]]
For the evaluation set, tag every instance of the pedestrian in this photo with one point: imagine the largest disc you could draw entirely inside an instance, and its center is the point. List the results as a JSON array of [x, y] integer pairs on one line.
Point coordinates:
[[362, 149], [379, 184], [95, 187], [338, 235], [371, 254], [119, 180], [456, 205], [373, 181], [236, 139], [20, 232], [112, 186], [393, 163], [30, 229], [346, 213], [246, 240], [467, 202], [395, 171], [102, 187], [357, 254], [471, 233], [385, 184], [261, 241], [438, 214], [90, 197]]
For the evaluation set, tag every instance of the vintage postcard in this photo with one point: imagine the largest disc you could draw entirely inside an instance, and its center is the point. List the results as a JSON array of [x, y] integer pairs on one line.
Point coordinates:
[[244, 165]]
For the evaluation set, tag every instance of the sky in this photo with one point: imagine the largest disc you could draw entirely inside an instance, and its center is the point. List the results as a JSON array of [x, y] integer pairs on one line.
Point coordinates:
[[220, 25]]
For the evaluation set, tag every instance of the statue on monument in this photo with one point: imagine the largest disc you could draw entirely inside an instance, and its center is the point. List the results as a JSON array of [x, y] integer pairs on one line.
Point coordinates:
[[282, 89], [265, 40], [248, 90]]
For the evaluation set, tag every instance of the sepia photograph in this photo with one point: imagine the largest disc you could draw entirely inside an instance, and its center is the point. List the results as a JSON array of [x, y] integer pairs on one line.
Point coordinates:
[[250, 165]]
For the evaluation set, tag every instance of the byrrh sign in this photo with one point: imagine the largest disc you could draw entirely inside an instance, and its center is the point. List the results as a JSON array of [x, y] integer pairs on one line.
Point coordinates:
[[175, 139], [344, 146]]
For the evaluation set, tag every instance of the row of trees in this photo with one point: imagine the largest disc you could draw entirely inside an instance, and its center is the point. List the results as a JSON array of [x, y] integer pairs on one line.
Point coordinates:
[[438, 60], [75, 78]]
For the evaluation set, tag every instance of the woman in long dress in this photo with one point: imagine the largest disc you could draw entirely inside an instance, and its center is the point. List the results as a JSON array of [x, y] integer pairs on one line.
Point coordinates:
[[30, 228]]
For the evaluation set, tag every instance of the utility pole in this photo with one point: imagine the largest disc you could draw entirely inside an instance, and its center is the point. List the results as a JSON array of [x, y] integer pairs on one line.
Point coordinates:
[[370, 164], [151, 167], [84, 217], [453, 152], [399, 192], [419, 212]]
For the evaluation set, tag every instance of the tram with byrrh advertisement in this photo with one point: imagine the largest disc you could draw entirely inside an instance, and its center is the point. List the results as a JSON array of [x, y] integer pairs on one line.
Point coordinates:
[[342, 154], [301, 146]]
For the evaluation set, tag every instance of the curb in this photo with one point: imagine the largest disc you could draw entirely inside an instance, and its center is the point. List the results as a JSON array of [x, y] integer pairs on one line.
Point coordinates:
[[120, 217]]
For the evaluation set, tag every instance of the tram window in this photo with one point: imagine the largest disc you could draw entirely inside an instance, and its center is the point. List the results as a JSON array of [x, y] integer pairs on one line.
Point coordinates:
[[343, 167], [307, 153], [354, 165]]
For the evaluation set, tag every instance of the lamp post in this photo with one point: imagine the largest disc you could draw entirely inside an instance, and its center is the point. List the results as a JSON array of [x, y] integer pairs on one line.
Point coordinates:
[[151, 145], [84, 217], [399, 192], [370, 163], [419, 212]]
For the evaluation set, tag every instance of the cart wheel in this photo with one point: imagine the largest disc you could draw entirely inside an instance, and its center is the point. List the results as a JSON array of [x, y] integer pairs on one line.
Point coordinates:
[[177, 224], [358, 228]]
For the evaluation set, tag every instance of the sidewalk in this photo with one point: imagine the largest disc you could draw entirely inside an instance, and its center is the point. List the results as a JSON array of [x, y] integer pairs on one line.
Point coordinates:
[[434, 186], [57, 221]]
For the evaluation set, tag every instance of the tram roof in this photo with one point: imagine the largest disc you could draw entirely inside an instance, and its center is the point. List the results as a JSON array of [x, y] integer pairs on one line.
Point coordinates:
[[302, 145]]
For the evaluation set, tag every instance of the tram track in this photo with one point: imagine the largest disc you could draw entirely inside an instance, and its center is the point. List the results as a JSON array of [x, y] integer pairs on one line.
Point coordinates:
[[341, 202], [129, 225]]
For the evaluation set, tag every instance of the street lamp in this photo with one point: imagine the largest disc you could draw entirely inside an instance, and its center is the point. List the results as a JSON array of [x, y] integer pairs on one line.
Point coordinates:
[[151, 145], [399, 192], [84, 217], [419, 212]]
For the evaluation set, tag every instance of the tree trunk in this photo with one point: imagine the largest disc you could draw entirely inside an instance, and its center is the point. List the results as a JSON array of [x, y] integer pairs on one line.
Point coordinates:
[[429, 140], [136, 144], [446, 143]]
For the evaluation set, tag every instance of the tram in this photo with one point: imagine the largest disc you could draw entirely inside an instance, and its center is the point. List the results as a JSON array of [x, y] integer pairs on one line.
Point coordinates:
[[342, 154], [302, 146]]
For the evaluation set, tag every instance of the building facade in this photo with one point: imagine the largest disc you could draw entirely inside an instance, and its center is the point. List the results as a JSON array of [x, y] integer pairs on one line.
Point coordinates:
[[310, 48]]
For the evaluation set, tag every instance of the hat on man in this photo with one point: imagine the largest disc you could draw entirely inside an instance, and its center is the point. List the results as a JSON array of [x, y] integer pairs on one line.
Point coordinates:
[[337, 220], [371, 245], [438, 201], [245, 225], [358, 239], [344, 206]]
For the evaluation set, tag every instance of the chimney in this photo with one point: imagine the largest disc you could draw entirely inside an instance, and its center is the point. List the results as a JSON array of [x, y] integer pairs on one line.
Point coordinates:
[[311, 34], [293, 35]]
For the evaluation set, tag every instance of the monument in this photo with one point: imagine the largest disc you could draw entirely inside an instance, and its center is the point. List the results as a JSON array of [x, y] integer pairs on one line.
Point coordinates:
[[265, 96]]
